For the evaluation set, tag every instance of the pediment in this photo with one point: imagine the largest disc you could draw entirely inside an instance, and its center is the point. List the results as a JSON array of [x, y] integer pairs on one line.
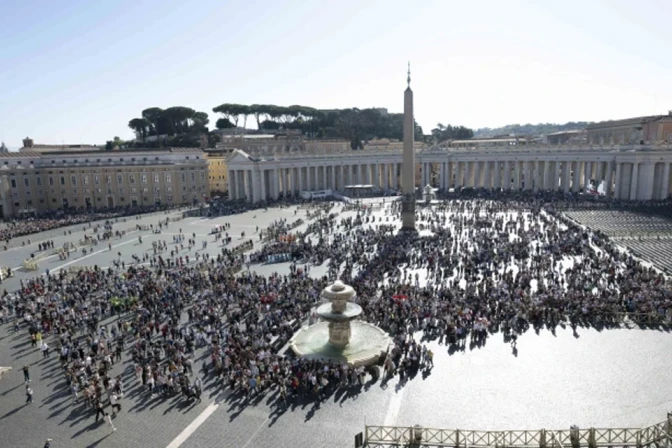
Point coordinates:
[[238, 156]]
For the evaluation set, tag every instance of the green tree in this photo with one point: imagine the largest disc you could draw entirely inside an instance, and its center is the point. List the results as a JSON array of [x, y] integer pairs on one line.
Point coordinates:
[[155, 117], [224, 123], [140, 126]]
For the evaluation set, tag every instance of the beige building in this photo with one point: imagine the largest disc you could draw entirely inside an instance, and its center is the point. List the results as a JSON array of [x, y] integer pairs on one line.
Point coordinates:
[[218, 173], [41, 178], [386, 144], [281, 143], [639, 130]]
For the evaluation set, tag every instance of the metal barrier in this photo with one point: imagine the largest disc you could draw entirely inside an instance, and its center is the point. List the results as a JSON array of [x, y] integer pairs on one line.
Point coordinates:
[[658, 435]]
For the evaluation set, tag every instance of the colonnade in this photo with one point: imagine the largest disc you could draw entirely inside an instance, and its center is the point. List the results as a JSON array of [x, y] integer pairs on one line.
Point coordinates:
[[270, 183], [622, 175]]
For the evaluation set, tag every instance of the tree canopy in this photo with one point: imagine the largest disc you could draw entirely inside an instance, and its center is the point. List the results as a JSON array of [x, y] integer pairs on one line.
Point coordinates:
[[177, 120], [354, 124], [448, 132]]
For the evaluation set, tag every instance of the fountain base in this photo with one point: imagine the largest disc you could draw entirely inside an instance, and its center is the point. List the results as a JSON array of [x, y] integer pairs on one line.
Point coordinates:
[[366, 345]]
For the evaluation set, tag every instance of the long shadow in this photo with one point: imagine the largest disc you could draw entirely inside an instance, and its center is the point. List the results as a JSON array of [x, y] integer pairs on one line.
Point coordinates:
[[13, 411]]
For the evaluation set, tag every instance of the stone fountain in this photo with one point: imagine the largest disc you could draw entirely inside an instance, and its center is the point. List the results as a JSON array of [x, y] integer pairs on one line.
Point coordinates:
[[339, 337]]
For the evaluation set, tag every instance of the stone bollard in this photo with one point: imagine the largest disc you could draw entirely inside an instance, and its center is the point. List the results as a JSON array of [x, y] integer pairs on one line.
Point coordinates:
[[417, 433]]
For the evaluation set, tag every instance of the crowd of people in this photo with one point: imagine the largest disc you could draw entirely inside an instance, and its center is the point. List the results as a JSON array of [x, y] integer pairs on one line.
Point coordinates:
[[474, 268], [53, 220]]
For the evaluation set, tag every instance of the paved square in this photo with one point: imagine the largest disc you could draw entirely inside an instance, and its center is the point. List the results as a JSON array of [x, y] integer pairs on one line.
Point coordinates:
[[593, 376]]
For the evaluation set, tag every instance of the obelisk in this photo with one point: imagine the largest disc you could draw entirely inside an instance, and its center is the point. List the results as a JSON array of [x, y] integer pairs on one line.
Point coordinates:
[[408, 165]]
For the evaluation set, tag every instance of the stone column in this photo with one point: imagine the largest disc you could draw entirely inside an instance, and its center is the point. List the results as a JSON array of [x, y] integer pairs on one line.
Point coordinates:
[[598, 174], [617, 183], [665, 187], [232, 184], [556, 175], [588, 175], [535, 174], [246, 183], [506, 176], [566, 172], [487, 181], [634, 179], [576, 168], [516, 175], [258, 187], [275, 182], [498, 174], [608, 183]]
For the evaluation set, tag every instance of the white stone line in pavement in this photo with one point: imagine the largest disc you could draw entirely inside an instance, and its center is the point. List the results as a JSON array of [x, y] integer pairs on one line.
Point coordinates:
[[91, 255], [193, 426], [261, 426], [394, 408]]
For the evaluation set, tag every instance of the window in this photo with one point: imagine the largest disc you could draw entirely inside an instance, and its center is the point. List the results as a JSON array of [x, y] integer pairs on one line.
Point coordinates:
[[99, 191], [169, 189], [87, 191], [121, 191], [38, 180], [143, 178], [28, 192], [184, 177], [145, 189], [203, 176], [62, 180], [131, 178], [108, 179], [86, 180], [96, 179], [29, 202], [13, 183], [168, 178], [40, 192], [193, 176], [120, 179], [73, 180], [157, 190], [156, 178], [170, 198]]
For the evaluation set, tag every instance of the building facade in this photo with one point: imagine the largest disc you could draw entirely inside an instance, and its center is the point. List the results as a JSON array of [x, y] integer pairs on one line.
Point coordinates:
[[281, 143], [640, 130], [218, 173], [44, 180], [628, 172]]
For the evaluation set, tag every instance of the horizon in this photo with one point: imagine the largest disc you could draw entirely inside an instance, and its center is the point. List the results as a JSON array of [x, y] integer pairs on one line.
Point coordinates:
[[76, 73]]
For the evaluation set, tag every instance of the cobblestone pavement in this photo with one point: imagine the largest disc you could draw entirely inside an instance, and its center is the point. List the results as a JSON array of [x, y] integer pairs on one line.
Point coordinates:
[[592, 378]]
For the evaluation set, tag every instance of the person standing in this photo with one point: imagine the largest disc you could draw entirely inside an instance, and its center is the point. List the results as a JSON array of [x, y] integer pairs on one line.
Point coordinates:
[[114, 403], [99, 409], [29, 394], [26, 374], [108, 420]]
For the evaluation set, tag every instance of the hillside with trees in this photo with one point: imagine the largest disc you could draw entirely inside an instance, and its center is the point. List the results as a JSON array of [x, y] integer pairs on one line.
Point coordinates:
[[183, 126], [530, 129]]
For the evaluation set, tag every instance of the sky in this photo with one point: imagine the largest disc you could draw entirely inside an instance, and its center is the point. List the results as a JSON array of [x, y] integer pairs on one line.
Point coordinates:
[[77, 71]]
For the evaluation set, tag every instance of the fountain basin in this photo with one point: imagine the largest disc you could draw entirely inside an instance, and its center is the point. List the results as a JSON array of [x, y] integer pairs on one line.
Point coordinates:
[[352, 310], [366, 345]]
